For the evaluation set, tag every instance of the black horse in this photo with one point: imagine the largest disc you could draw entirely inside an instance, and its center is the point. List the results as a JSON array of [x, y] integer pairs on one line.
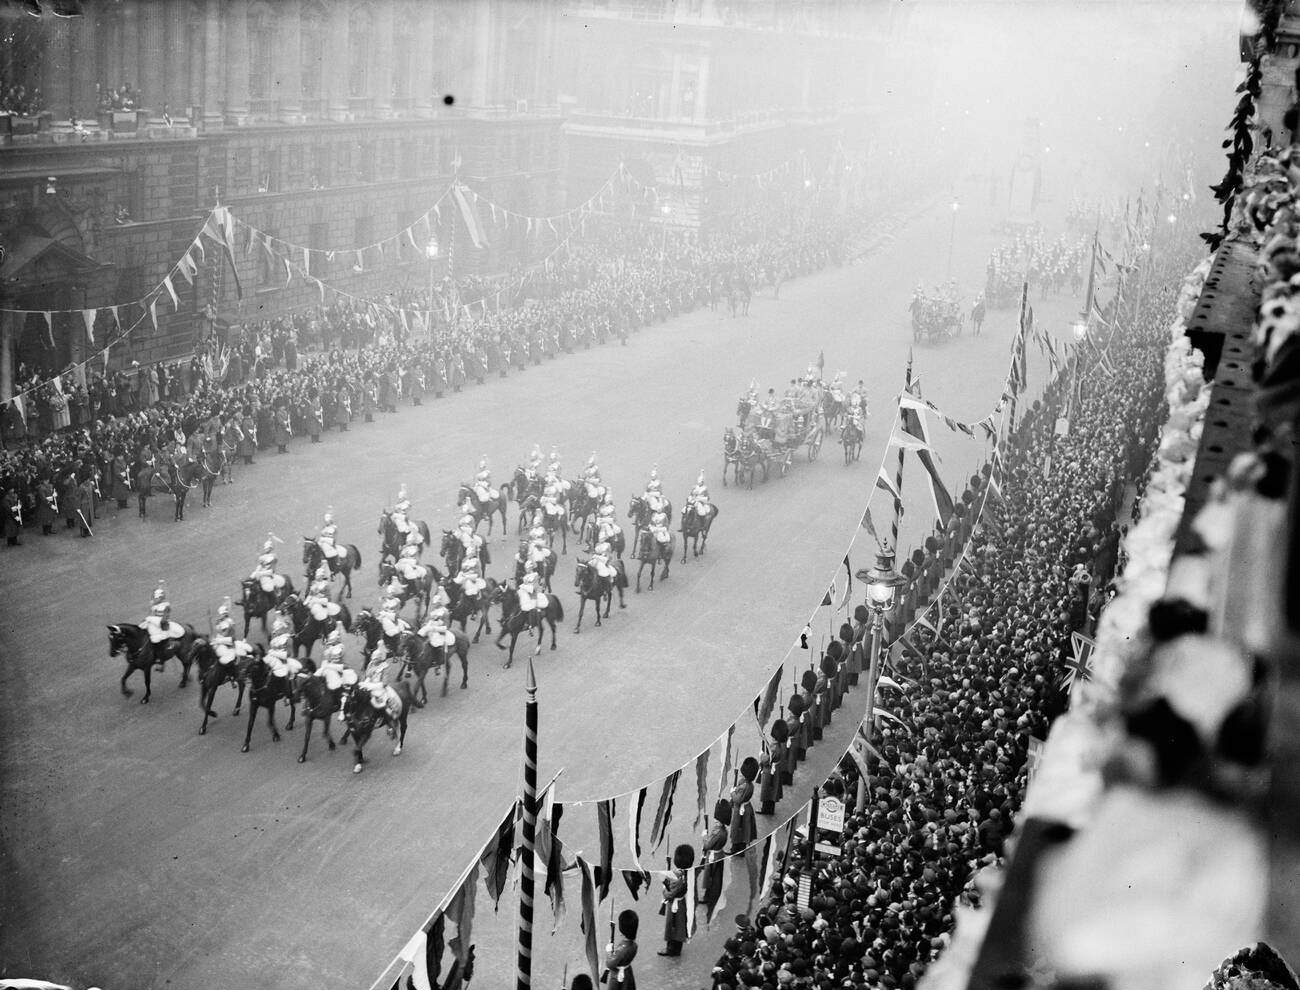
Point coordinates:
[[307, 629], [392, 539], [695, 530], [345, 563], [319, 704], [452, 552], [371, 630], [523, 487], [213, 674], [593, 587], [581, 508], [418, 590], [545, 570], [265, 689], [640, 513], [419, 657], [212, 465], [514, 621], [130, 640], [363, 718], [485, 510], [651, 551], [258, 603], [462, 607], [178, 481], [753, 455], [851, 440]]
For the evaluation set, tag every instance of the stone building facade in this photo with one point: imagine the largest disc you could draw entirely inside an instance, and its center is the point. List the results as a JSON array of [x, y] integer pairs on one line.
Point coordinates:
[[328, 124]]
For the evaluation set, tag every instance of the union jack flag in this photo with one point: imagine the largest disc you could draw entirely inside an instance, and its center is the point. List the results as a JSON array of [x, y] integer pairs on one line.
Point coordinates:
[[1078, 667]]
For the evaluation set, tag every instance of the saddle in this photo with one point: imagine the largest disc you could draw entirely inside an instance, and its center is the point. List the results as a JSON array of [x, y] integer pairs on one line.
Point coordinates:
[[336, 677]]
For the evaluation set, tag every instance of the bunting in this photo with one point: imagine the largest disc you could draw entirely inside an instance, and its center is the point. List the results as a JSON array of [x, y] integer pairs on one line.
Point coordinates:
[[664, 812], [634, 827], [588, 922], [496, 857], [605, 827], [88, 318], [702, 785], [913, 427]]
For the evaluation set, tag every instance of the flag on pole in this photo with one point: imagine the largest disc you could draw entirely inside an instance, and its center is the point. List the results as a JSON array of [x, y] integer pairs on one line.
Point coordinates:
[[913, 425], [496, 857], [550, 854], [460, 912], [605, 827], [702, 780], [634, 827], [589, 920], [664, 813], [424, 953]]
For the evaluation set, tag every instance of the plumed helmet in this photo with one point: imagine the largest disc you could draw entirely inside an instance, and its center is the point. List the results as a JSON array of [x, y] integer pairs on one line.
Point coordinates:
[[781, 730], [700, 479], [466, 520], [268, 547], [380, 652], [749, 768], [280, 624], [225, 624], [536, 456], [796, 705], [684, 857], [537, 533], [328, 518], [159, 593], [334, 636], [402, 496], [591, 461], [410, 551], [722, 812], [323, 572], [223, 609], [629, 923], [602, 547]]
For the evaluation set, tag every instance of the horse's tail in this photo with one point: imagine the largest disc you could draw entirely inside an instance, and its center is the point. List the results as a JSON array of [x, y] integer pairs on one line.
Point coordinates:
[[345, 618], [355, 554], [559, 608]]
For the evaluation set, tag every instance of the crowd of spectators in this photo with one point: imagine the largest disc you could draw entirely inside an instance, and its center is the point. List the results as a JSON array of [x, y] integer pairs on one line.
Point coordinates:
[[951, 773], [330, 365]]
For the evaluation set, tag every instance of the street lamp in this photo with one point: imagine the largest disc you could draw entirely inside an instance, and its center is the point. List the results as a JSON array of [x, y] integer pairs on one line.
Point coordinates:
[[952, 234], [882, 583]]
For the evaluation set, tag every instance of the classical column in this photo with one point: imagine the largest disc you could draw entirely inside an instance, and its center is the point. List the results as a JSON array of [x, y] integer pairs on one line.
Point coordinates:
[[480, 95], [381, 61], [56, 68], [213, 89], [288, 62], [336, 62], [196, 56], [124, 59], [176, 39], [702, 91], [151, 36], [85, 68], [422, 56], [236, 37]]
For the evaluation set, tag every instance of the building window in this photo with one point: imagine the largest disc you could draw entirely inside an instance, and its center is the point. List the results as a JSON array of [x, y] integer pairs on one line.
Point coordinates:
[[360, 51], [313, 57], [261, 56]]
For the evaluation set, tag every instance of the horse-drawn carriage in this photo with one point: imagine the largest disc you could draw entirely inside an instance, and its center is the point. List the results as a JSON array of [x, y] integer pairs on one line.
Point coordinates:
[[769, 437], [936, 316], [794, 429]]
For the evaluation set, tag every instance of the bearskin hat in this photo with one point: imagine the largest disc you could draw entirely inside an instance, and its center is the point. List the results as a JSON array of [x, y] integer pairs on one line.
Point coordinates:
[[796, 705], [684, 857], [781, 730], [628, 922], [808, 681], [749, 768], [722, 812]]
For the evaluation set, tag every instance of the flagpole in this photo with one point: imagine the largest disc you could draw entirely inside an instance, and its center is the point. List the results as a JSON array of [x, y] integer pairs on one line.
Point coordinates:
[[898, 474], [524, 958]]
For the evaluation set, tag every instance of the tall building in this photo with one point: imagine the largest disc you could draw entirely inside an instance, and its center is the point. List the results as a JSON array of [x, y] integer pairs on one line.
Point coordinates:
[[326, 124], [699, 98]]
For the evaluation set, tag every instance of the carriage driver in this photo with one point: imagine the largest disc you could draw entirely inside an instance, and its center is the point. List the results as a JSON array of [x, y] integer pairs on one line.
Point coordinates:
[[224, 643], [659, 527], [591, 478], [264, 573], [408, 564], [531, 595], [323, 608], [599, 560], [699, 496], [483, 489], [470, 577], [328, 538], [279, 655], [837, 387], [654, 498], [401, 510]]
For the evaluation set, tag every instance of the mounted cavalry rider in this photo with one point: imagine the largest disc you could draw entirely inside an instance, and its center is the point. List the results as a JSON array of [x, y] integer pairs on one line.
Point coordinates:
[[531, 594], [699, 496], [654, 496], [483, 489], [323, 608], [158, 623], [550, 502], [531, 472], [659, 528], [408, 564], [332, 670], [279, 655], [539, 551], [400, 514], [599, 561], [264, 573], [591, 478], [387, 616], [553, 476], [470, 577], [328, 538], [224, 643], [382, 696], [607, 527], [469, 539], [436, 631]]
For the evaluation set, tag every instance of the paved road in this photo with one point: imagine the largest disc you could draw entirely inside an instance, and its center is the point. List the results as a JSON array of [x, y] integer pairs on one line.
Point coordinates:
[[137, 853]]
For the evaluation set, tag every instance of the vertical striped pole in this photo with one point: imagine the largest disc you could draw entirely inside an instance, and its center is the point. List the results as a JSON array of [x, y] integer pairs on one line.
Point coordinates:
[[524, 959], [898, 475]]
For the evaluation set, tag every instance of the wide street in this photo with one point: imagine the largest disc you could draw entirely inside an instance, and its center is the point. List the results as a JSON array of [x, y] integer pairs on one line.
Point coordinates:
[[137, 853]]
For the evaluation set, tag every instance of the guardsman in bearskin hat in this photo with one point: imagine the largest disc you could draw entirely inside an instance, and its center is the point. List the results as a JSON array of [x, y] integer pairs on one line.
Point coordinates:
[[743, 830], [619, 955], [712, 852], [772, 764], [676, 890]]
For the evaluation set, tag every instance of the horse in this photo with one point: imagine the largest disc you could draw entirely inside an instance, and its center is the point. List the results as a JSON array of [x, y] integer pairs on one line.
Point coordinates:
[[344, 563], [485, 510], [739, 295], [307, 629], [695, 528], [371, 630], [362, 718], [522, 486], [213, 674], [651, 551], [556, 523], [264, 691], [452, 551], [418, 589], [319, 704], [529, 508], [639, 512], [515, 620], [731, 458], [851, 439], [419, 656], [545, 570], [132, 642], [462, 607], [258, 603], [753, 455], [213, 465], [582, 506], [832, 410], [593, 587], [392, 539], [178, 481]]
